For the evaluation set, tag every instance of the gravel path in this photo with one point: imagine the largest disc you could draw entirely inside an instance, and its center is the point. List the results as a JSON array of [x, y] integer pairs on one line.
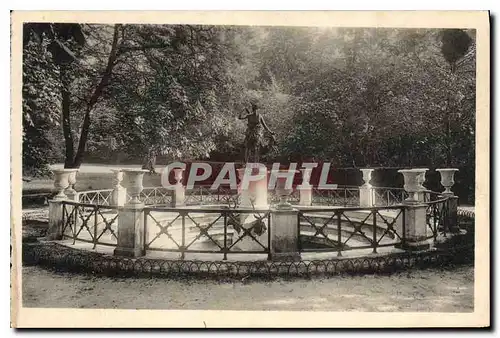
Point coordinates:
[[430, 290]]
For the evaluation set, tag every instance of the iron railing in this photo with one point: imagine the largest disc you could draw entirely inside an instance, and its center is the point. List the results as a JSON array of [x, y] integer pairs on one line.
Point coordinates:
[[65, 258], [341, 196], [347, 196], [99, 197], [96, 224], [203, 195], [385, 196], [437, 219], [350, 228], [190, 230], [155, 196], [227, 229]]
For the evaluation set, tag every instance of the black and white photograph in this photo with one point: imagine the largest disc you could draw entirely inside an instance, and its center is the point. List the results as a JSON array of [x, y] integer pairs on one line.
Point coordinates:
[[286, 166]]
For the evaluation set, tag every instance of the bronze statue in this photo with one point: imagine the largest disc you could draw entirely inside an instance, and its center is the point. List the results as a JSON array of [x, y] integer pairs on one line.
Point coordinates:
[[254, 138]]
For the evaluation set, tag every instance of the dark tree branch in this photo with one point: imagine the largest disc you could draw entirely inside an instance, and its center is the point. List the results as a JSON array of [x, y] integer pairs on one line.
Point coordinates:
[[95, 97]]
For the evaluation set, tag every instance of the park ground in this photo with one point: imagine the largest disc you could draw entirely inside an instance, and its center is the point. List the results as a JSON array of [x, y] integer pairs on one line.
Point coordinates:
[[433, 290], [418, 290]]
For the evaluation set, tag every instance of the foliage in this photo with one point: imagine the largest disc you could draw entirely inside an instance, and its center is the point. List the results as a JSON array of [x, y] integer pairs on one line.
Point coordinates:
[[351, 96], [176, 100], [40, 102]]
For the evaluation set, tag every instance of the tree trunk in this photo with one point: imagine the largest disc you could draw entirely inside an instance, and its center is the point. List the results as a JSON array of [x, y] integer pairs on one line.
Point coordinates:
[[449, 111], [66, 122], [449, 156], [95, 97]]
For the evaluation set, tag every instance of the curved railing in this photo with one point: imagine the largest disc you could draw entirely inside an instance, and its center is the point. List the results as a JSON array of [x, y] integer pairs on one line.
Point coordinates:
[[211, 222], [203, 195], [98, 197]]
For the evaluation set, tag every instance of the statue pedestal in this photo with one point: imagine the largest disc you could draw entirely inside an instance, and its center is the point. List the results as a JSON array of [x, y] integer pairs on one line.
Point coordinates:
[[254, 193], [253, 196]]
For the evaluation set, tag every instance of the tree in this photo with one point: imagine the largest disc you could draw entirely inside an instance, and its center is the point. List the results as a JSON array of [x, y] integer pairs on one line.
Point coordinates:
[[176, 101], [44, 45]]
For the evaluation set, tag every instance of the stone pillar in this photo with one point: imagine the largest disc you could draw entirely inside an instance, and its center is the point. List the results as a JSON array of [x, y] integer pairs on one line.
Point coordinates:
[[415, 219], [306, 188], [415, 227], [179, 192], [366, 192], [253, 195], [447, 181], [131, 218], [55, 220], [452, 220], [284, 235], [70, 191], [119, 193], [61, 183]]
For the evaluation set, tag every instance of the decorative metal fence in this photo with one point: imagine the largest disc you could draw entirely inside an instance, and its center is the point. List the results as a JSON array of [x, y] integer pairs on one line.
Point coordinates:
[[352, 228], [437, 218], [203, 195], [217, 225], [384, 196], [64, 258], [220, 230], [99, 197], [155, 196], [346, 196], [90, 223], [342, 196], [273, 198]]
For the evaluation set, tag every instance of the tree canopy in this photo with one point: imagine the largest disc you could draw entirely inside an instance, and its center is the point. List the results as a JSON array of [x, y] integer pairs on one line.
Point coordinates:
[[350, 96]]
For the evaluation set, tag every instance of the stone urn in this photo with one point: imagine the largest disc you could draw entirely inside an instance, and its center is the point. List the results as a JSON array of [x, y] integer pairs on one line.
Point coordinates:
[[134, 184], [447, 179], [61, 182], [421, 177], [411, 184], [284, 188], [178, 175], [367, 176], [70, 191]]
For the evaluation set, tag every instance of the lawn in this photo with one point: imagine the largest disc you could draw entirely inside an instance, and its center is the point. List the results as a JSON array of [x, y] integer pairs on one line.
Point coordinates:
[[90, 177]]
